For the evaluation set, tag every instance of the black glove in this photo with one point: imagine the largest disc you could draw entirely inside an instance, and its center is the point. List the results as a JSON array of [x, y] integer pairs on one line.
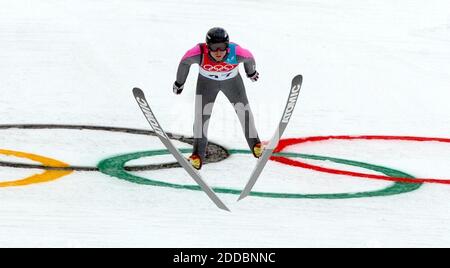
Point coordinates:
[[177, 88], [254, 77]]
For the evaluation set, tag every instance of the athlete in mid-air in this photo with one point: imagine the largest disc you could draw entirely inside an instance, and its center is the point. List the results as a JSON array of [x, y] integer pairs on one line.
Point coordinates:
[[218, 59]]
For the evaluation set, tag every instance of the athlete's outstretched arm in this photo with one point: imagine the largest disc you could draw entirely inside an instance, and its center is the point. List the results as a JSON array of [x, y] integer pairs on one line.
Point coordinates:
[[192, 56], [247, 58]]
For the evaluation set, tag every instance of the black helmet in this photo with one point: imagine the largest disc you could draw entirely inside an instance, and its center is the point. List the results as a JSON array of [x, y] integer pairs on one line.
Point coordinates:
[[217, 35]]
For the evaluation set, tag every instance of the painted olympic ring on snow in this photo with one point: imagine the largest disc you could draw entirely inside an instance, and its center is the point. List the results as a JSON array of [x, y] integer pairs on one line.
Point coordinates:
[[279, 156], [216, 152], [46, 176], [288, 142], [114, 166]]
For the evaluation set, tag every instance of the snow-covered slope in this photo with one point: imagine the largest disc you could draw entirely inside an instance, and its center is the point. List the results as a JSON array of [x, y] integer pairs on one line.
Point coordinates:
[[369, 67]]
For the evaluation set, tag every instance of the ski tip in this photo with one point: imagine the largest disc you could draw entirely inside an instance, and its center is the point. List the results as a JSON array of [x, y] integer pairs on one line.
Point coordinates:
[[297, 79], [136, 89], [226, 209], [242, 196], [222, 206]]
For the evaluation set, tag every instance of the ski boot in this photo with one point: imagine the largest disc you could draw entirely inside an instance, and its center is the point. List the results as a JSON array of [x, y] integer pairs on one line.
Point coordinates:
[[195, 161], [258, 150]]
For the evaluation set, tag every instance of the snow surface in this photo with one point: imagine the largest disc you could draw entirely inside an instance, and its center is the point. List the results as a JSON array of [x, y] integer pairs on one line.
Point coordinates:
[[370, 67]]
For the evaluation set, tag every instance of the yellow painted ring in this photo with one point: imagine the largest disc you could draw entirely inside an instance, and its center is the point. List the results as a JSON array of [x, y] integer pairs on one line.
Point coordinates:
[[49, 175]]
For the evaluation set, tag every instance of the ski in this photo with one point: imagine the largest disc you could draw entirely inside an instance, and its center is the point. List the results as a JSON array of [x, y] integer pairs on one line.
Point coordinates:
[[145, 107], [267, 153]]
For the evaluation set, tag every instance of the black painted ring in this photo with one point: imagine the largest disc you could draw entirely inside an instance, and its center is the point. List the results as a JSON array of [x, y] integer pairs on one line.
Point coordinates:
[[215, 152]]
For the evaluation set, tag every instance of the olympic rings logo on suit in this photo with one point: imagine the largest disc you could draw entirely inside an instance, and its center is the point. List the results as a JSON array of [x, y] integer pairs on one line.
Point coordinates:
[[218, 68]]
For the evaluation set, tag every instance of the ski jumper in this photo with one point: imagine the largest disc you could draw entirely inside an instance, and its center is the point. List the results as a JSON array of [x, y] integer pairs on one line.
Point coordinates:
[[215, 77]]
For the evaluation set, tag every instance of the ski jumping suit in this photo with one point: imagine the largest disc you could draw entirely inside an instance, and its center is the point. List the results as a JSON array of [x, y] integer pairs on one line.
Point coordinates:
[[214, 77]]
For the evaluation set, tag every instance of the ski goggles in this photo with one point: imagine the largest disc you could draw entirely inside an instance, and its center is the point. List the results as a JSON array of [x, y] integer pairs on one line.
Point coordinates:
[[218, 47]]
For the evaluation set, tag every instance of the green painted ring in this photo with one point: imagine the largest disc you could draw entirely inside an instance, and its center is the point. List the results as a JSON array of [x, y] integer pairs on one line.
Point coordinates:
[[114, 167]]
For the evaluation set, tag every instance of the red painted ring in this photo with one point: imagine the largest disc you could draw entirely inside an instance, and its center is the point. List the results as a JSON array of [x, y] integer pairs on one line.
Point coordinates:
[[289, 142]]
